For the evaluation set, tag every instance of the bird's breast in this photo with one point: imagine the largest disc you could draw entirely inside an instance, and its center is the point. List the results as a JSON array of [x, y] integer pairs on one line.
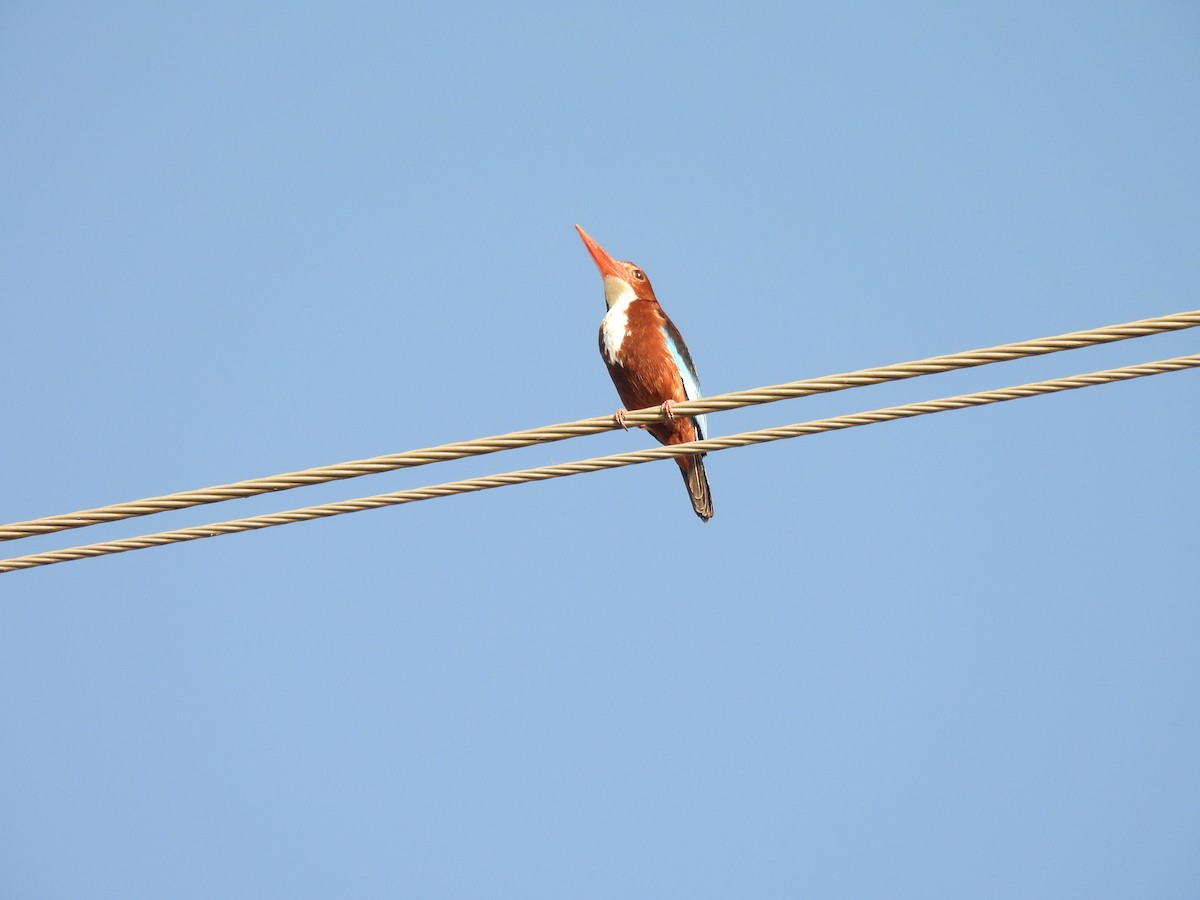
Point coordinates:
[[614, 328]]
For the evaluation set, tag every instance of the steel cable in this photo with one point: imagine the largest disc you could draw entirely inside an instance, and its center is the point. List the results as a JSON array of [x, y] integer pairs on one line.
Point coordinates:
[[595, 425], [543, 473]]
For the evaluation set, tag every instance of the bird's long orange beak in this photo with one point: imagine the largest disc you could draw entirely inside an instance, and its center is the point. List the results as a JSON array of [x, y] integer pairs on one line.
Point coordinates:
[[605, 263]]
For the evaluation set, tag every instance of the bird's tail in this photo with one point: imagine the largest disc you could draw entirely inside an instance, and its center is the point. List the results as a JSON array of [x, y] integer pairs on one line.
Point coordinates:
[[697, 485]]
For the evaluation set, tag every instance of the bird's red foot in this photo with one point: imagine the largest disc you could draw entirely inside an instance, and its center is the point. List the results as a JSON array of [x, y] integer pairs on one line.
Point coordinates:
[[668, 409], [619, 418]]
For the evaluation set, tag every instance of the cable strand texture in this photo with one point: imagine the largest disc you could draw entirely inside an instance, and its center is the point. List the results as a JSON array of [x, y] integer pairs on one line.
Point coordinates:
[[595, 425], [543, 473]]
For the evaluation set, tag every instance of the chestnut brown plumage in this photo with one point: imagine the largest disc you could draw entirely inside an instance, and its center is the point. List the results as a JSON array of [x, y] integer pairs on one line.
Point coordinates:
[[650, 364]]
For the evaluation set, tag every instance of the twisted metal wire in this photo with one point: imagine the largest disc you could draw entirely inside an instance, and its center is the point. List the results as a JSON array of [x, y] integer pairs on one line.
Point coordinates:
[[543, 473], [597, 424]]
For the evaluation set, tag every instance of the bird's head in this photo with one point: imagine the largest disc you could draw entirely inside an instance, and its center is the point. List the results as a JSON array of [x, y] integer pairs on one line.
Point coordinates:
[[623, 281]]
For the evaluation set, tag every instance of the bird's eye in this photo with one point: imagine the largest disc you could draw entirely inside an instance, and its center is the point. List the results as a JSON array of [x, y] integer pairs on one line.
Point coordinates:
[[639, 274]]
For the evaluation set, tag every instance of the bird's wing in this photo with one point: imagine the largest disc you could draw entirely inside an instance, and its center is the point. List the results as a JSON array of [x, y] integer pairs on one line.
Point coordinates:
[[687, 371]]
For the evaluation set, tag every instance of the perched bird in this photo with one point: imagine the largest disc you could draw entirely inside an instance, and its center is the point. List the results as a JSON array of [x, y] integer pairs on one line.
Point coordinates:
[[650, 364]]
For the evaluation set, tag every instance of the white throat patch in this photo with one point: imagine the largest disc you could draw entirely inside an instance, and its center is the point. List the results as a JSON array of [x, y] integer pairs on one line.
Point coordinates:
[[618, 295], [617, 290]]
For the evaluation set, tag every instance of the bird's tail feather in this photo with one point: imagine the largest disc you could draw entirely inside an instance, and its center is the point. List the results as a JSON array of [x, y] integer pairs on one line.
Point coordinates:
[[697, 485]]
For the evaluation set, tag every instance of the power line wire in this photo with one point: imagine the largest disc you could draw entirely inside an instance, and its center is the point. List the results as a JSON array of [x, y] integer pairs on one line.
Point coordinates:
[[595, 425], [543, 473]]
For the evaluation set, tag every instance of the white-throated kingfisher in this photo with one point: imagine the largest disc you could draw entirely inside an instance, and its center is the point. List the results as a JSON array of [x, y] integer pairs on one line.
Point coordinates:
[[650, 364]]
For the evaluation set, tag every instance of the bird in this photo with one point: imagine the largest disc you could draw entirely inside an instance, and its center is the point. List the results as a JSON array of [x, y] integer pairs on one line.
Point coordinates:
[[650, 364]]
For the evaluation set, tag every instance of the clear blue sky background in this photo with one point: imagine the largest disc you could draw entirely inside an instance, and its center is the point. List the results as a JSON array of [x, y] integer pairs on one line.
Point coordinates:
[[949, 657]]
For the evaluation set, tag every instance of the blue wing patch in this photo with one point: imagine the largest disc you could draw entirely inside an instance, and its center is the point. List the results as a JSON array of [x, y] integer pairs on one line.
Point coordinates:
[[687, 372]]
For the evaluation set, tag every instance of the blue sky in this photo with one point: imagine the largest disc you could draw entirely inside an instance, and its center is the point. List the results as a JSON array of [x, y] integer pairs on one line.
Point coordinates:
[[953, 656]]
